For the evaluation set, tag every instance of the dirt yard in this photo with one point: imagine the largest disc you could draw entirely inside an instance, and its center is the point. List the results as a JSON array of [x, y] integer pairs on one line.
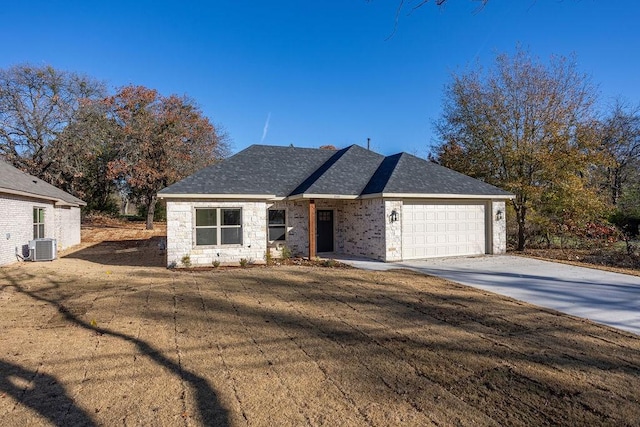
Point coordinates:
[[107, 336]]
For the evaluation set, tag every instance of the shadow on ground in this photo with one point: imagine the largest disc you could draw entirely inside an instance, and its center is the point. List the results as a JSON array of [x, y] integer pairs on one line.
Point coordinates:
[[339, 346], [133, 253], [47, 396], [43, 393]]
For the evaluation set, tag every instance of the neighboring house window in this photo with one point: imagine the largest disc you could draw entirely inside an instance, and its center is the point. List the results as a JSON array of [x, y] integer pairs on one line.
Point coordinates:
[[38, 223], [218, 226], [277, 225]]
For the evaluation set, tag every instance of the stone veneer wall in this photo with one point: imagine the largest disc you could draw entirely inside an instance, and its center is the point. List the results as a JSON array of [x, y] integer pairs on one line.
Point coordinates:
[[499, 228], [180, 233]]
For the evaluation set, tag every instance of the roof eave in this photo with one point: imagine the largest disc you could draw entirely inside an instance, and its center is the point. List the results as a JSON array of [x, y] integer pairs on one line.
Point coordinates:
[[437, 196], [323, 196], [55, 200], [218, 196]]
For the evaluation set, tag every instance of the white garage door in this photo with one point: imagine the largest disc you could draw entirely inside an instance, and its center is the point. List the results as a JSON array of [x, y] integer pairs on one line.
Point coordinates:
[[442, 229]]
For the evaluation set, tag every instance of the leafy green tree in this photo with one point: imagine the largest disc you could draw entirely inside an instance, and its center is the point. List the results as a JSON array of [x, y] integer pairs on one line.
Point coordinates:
[[527, 127], [162, 140]]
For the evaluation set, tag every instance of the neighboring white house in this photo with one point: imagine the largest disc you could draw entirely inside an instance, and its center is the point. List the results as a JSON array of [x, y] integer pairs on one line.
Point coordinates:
[[30, 208], [351, 201]]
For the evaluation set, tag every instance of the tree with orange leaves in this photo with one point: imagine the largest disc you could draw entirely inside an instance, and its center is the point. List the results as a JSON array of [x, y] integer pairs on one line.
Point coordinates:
[[162, 140]]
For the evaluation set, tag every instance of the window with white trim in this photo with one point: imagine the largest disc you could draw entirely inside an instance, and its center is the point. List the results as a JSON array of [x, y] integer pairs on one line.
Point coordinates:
[[38, 223], [218, 226], [277, 225]]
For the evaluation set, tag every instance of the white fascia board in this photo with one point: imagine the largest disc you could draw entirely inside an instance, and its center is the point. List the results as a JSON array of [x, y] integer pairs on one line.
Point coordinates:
[[73, 205], [219, 196], [324, 196], [437, 196], [55, 200]]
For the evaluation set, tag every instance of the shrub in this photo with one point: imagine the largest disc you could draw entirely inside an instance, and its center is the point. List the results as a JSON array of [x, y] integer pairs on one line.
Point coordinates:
[[186, 261], [285, 253], [216, 263], [329, 263], [244, 262], [268, 257]]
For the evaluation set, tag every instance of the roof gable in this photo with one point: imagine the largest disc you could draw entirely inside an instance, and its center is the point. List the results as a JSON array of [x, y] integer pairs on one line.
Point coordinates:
[[14, 181]]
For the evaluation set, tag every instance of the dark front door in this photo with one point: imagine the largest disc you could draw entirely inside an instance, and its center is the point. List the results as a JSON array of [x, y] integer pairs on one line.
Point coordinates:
[[324, 228]]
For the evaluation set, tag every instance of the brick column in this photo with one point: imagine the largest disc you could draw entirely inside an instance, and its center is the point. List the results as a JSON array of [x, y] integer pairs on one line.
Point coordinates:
[[312, 229]]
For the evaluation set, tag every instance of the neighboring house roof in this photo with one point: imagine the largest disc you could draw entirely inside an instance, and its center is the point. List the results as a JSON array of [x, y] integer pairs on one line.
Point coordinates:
[[14, 181], [277, 172]]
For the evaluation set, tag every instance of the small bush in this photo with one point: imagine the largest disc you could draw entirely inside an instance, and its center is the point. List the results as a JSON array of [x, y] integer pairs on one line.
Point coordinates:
[[286, 253], [244, 262], [268, 257], [186, 261], [215, 263], [329, 263]]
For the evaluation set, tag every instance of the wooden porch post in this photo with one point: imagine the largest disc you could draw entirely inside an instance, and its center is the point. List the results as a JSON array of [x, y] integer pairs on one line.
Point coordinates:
[[312, 229]]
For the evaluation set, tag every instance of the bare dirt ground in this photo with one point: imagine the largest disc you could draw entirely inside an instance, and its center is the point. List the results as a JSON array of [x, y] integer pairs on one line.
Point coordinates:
[[107, 336]]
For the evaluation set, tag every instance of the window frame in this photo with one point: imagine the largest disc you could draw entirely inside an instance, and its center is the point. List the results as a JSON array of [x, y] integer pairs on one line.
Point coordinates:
[[219, 226], [39, 221], [283, 225]]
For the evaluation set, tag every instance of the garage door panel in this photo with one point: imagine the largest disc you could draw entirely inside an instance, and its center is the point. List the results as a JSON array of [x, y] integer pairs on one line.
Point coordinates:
[[446, 229]]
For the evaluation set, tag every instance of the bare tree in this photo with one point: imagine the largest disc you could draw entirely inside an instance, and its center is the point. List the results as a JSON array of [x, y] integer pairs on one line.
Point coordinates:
[[36, 104], [621, 141], [82, 153], [411, 5]]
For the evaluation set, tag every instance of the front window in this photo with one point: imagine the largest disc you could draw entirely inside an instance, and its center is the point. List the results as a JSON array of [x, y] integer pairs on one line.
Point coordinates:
[[218, 226], [38, 223], [277, 225]]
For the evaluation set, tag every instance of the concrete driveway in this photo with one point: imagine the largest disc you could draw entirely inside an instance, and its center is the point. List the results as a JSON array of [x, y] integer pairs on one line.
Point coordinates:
[[609, 298]]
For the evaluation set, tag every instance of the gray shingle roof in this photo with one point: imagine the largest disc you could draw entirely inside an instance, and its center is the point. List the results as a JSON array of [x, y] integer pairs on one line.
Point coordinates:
[[13, 180], [346, 173], [258, 169], [406, 174], [352, 171]]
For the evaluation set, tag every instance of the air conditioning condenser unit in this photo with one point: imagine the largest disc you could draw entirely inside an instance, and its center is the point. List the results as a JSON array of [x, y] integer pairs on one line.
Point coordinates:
[[42, 249]]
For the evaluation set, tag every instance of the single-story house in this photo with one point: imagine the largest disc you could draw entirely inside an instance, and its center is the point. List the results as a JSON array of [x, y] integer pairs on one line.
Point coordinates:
[[351, 201], [31, 208]]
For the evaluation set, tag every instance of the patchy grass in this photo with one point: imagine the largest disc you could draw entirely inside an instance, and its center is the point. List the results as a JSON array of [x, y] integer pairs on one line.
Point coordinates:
[[107, 335]]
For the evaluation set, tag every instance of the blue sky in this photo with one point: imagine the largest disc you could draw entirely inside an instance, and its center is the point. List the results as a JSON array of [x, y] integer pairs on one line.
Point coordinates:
[[310, 73]]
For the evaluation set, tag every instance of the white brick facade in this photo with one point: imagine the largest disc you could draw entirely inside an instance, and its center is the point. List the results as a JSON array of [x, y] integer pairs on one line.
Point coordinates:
[[16, 225], [297, 218], [67, 226], [361, 228]]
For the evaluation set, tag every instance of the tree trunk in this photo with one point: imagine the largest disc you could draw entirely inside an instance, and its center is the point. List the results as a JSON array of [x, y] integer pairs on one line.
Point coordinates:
[[521, 213], [151, 208]]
